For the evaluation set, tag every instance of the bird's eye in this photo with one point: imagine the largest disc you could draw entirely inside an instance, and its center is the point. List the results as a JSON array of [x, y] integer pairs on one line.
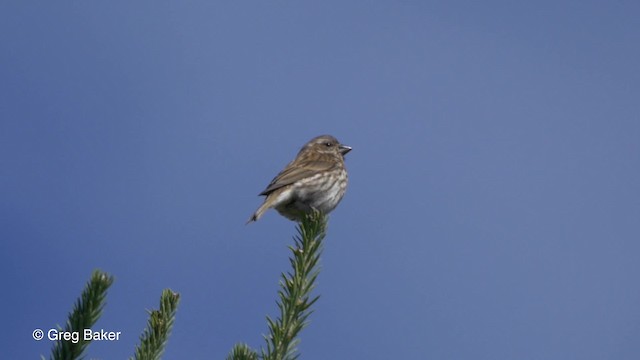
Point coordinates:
[[328, 144]]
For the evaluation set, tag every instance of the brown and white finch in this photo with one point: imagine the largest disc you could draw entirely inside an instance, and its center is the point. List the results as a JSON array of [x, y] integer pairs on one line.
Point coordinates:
[[315, 180]]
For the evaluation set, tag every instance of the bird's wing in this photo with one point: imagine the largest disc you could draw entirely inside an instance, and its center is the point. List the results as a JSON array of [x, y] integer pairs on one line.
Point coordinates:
[[295, 171]]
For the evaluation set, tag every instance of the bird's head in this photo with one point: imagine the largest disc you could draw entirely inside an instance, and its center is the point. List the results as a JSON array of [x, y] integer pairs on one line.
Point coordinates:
[[326, 144]]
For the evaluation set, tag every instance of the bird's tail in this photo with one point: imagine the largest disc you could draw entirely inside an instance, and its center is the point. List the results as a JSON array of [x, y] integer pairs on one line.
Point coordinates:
[[258, 214]]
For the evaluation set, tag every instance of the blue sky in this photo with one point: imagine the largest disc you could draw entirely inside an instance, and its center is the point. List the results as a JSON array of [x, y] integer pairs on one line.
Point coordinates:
[[493, 210]]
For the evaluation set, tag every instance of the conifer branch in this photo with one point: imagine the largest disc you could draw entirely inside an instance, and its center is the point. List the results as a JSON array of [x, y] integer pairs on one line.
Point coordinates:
[[85, 313], [294, 296], [88, 309], [154, 338], [242, 352]]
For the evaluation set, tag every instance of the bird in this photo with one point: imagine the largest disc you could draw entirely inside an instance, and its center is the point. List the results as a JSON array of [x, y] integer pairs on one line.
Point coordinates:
[[315, 180]]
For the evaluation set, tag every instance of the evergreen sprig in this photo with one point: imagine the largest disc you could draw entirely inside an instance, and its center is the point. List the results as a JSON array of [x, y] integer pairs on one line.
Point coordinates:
[[294, 296], [84, 315], [154, 338], [242, 352], [88, 309]]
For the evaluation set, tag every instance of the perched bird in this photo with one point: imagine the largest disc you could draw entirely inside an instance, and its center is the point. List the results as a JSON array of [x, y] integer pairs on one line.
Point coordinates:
[[315, 179]]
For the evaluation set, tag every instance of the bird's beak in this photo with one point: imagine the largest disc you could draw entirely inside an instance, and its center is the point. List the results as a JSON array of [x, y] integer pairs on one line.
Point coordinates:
[[344, 149]]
